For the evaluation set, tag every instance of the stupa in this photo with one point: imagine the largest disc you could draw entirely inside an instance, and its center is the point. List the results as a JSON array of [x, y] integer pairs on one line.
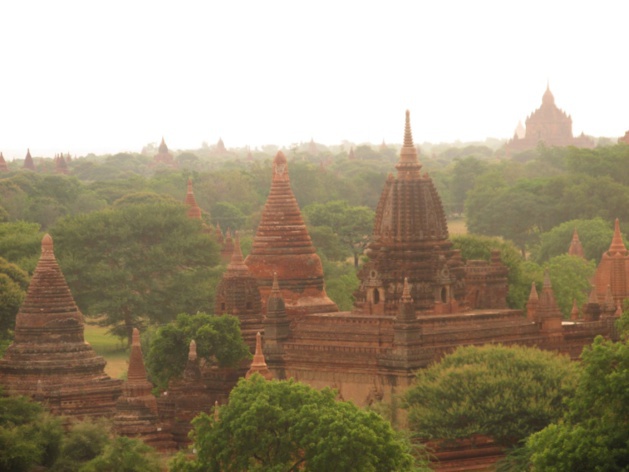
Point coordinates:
[[49, 359], [576, 248], [163, 156], [28, 161], [193, 208], [283, 246], [3, 164]]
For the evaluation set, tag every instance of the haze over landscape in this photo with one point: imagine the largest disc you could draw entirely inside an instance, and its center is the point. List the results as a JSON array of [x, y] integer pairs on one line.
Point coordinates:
[[81, 77]]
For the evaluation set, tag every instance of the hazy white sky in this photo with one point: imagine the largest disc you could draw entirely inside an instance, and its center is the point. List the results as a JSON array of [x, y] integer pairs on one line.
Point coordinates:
[[88, 76]]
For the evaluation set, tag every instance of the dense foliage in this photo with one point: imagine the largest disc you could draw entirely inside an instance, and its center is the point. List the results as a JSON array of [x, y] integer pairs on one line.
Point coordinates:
[[286, 425], [13, 286], [218, 339], [137, 264], [505, 393]]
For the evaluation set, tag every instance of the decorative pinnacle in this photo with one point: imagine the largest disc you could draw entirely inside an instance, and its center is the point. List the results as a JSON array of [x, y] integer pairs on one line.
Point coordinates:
[[408, 135], [406, 292], [276, 285], [237, 258], [408, 166], [533, 296], [547, 279]]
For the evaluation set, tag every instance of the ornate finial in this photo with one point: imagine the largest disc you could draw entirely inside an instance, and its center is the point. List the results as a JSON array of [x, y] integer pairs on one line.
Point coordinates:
[[135, 337], [258, 344], [237, 258], [280, 166], [216, 417], [617, 245], [192, 351], [47, 247], [408, 135], [408, 166], [276, 285]]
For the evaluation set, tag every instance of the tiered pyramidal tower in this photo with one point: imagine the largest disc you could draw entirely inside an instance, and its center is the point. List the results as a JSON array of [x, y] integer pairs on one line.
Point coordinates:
[[49, 358], [282, 245]]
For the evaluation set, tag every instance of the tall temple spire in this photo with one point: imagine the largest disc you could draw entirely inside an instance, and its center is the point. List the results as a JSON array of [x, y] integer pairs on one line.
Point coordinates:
[[408, 166], [194, 211], [617, 245]]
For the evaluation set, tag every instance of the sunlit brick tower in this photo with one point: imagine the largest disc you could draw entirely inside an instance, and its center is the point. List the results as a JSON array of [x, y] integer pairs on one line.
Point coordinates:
[[410, 240], [136, 409], [49, 359], [194, 211], [283, 246]]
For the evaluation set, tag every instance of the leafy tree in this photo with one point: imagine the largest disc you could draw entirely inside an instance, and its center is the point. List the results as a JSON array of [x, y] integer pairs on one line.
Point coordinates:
[[218, 339], [227, 215], [464, 174], [289, 426], [125, 455], [595, 236], [137, 263], [328, 243], [13, 286], [593, 433], [341, 282], [84, 441], [503, 392], [28, 436], [571, 280], [352, 224]]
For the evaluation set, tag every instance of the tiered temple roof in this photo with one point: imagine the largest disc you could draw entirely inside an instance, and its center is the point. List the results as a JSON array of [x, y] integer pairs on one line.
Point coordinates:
[[49, 358], [410, 240], [283, 246]]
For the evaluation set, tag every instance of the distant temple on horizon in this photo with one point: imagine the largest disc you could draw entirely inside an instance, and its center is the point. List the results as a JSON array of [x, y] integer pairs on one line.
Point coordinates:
[[549, 125]]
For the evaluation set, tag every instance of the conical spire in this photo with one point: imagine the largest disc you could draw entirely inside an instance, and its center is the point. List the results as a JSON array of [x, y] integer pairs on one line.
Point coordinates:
[[408, 166], [192, 351], [259, 363], [237, 262], [617, 245], [28, 161], [532, 303], [163, 149], [547, 303], [136, 375], [194, 211], [548, 98], [576, 248]]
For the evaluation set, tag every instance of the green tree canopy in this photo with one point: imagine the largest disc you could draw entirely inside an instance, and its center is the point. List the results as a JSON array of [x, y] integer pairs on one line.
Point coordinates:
[[595, 236], [228, 216], [503, 392], [570, 277], [218, 339], [593, 433], [124, 454], [352, 224], [13, 286], [137, 264], [289, 426]]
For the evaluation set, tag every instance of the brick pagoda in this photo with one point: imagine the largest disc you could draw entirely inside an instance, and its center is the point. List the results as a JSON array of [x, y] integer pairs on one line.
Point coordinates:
[[49, 359]]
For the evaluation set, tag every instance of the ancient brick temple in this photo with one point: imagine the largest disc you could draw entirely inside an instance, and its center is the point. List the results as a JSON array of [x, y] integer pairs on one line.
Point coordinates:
[[576, 248], [549, 125], [612, 273], [136, 409], [194, 211], [28, 161], [282, 245], [417, 298], [49, 359], [163, 156]]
